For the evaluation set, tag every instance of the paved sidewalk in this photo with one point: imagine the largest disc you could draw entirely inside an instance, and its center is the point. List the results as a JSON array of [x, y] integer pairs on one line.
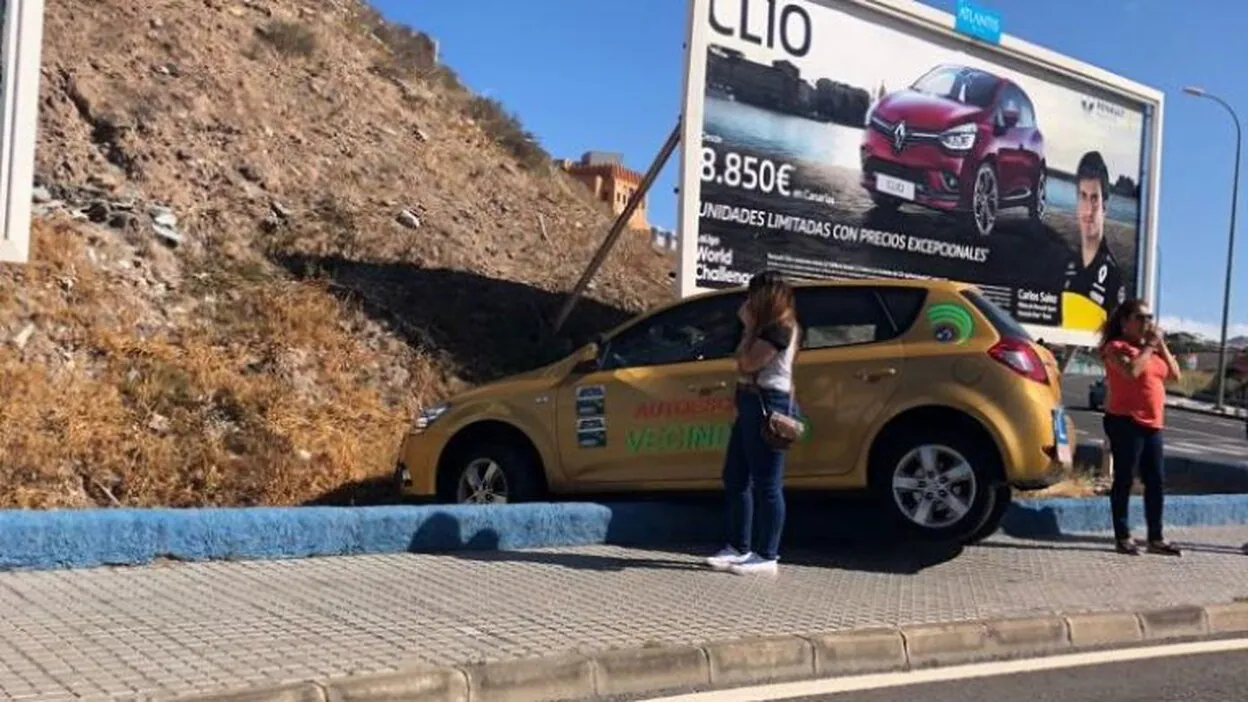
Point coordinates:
[[168, 628]]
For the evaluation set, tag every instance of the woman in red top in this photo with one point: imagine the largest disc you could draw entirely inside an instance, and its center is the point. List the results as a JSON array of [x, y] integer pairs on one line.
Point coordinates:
[[1137, 366]]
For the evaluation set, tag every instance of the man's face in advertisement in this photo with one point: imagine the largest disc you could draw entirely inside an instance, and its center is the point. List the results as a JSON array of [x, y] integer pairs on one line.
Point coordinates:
[[1091, 211]]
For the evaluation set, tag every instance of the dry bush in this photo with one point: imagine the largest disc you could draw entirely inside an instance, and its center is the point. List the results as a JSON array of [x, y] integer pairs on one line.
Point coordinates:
[[505, 128], [290, 38], [269, 401]]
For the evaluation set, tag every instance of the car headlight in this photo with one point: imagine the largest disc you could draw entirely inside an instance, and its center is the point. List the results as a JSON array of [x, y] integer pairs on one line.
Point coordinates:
[[960, 138], [429, 415]]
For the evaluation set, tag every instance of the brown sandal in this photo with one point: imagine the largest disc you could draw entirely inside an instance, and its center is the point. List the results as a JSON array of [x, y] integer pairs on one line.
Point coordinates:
[[1126, 547]]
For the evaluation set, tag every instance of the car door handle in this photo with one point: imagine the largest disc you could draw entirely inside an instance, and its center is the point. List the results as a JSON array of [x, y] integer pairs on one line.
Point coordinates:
[[874, 375], [708, 389]]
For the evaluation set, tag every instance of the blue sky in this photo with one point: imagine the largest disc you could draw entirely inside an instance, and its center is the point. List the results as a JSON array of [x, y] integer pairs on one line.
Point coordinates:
[[603, 74]]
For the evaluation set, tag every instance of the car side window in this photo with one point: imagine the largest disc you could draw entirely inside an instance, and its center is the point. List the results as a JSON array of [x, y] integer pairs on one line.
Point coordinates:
[[701, 330], [842, 316], [1028, 118]]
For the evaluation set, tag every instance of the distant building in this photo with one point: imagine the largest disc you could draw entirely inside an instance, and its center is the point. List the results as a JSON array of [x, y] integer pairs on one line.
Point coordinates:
[[609, 180], [664, 239]]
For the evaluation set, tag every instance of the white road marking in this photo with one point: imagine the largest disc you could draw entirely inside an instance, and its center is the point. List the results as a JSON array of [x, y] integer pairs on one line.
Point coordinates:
[[877, 681]]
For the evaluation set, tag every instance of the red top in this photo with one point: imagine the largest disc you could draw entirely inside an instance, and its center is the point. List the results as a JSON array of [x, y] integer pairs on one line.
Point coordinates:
[[1142, 399]]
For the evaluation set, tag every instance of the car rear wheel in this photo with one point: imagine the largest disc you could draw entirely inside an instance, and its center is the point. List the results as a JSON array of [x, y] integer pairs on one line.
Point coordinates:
[[1001, 504], [938, 482], [490, 474], [985, 200]]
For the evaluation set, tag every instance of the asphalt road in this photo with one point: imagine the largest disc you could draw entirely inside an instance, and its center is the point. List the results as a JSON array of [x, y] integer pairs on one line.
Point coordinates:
[[1188, 433], [1217, 677]]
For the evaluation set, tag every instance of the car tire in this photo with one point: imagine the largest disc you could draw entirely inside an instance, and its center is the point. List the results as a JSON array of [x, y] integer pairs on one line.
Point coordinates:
[[1039, 198], [900, 483], [986, 193], [1002, 499], [502, 472]]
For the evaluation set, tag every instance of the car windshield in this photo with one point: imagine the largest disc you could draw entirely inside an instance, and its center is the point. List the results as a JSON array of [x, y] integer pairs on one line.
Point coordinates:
[[965, 85]]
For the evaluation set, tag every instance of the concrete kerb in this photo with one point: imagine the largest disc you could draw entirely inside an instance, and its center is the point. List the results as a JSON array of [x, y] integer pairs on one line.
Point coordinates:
[[726, 664], [56, 539]]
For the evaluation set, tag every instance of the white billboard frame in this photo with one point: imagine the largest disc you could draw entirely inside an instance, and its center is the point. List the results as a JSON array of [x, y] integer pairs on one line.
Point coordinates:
[[926, 19], [22, 43]]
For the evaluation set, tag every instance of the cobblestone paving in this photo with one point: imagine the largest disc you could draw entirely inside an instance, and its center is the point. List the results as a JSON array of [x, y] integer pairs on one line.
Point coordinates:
[[139, 632]]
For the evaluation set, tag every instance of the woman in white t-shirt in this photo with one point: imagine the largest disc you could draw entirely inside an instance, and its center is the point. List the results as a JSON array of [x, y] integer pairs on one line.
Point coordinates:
[[753, 469]]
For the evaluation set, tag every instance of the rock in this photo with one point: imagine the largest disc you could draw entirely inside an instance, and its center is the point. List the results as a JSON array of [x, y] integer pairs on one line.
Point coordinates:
[[279, 209], [168, 234], [408, 219], [98, 212], [251, 173], [305, 455], [421, 136], [40, 195], [123, 220], [157, 23], [164, 217], [158, 423], [21, 338]]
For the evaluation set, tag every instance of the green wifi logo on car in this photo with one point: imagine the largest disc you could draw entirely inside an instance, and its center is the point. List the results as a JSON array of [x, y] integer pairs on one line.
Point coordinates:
[[951, 324]]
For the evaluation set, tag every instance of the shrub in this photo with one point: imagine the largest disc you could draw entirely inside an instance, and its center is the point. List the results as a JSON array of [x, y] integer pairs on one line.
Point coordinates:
[[290, 38]]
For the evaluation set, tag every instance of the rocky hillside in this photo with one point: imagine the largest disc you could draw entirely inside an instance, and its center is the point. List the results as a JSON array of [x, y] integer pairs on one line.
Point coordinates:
[[266, 231]]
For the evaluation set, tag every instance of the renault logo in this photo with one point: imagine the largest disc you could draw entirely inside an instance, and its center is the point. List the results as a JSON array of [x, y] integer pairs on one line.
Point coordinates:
[[899, 136]]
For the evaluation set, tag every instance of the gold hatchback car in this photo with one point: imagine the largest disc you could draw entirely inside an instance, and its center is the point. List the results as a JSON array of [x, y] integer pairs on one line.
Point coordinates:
[[925, 392]]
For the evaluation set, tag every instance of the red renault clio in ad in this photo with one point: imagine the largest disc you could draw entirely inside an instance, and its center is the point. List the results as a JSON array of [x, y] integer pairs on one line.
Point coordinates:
[[959, 140]]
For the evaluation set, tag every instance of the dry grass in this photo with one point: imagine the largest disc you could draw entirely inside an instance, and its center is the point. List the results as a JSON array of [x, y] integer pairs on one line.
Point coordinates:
[[265, 403], [290, 38]]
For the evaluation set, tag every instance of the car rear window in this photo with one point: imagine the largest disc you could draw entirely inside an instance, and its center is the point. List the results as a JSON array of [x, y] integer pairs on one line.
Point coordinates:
[[1001, 320]]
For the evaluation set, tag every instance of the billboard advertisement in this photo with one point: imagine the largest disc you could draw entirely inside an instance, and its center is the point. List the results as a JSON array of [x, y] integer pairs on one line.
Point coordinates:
[[855, 139], [21, 39]]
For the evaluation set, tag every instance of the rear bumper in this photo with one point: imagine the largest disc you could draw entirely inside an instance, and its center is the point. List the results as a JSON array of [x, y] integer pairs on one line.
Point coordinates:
[[1043, 466]]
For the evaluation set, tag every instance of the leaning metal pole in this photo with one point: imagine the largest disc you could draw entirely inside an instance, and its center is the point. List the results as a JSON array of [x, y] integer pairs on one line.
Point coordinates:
[[618, 227]]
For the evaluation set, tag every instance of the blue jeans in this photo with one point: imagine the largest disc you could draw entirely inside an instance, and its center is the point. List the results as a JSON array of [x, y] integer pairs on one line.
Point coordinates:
[[754, 473], [1136, 448]]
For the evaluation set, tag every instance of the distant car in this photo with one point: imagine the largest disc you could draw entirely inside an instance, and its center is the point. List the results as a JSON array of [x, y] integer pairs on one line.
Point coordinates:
[[884, 378], [959, 140], [1096, 395]]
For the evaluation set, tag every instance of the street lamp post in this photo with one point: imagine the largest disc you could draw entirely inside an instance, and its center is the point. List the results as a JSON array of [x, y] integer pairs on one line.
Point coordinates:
[[1197, 91]]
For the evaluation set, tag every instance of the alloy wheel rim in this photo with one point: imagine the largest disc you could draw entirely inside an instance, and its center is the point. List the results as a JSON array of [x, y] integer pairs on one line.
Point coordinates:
[[934, 486], [483, 482], [985, 200]]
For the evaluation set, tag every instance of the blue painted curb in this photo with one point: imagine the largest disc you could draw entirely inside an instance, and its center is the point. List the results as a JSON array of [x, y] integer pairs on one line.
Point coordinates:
[[1207, 477], [54, 539]]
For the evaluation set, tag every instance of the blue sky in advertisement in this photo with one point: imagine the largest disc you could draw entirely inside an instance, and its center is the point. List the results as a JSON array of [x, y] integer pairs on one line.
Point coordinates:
[[597, 74]]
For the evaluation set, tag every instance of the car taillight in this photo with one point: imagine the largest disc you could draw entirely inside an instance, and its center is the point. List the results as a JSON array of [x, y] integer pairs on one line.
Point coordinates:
[[1020, 357]]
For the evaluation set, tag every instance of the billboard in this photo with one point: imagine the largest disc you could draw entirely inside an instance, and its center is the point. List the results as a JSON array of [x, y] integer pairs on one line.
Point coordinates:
[[21, 40], [865, 138]]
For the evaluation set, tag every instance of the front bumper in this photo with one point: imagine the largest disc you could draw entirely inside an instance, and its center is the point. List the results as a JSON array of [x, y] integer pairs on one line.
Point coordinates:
[[415, 472]]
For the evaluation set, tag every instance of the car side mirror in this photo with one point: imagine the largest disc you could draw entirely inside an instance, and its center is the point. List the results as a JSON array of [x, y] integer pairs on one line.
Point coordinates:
[[589, 360]]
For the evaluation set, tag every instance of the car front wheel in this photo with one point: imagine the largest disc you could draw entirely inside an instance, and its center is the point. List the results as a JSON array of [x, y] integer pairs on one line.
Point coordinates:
[[985, 200], [938, 483], [489, 474]]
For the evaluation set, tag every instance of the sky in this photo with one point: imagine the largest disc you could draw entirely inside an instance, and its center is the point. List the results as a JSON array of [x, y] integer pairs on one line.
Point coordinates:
[[606, 75]]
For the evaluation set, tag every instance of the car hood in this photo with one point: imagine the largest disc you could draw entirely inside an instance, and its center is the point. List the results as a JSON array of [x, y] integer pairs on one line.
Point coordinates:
[[528, 381], [927, 112]]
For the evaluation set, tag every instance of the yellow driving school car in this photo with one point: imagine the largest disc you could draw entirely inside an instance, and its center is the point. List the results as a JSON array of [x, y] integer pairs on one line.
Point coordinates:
[[925, 392]]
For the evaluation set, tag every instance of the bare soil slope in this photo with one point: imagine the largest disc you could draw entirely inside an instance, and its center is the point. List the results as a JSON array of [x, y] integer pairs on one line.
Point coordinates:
[[267, 231]]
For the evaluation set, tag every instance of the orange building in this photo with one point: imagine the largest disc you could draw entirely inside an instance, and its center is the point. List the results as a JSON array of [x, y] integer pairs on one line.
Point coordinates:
[[607, 178]]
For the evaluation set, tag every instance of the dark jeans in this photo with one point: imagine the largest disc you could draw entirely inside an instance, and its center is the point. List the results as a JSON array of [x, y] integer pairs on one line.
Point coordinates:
[[1136, 448], [754, 475]]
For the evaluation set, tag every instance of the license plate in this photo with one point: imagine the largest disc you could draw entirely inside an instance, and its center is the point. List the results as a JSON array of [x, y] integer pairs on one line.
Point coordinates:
[[1062, 437], [894, 186]]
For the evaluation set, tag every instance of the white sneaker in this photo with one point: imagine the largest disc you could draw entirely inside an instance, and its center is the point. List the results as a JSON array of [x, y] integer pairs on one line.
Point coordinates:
[[755, 565], [727, 558]]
